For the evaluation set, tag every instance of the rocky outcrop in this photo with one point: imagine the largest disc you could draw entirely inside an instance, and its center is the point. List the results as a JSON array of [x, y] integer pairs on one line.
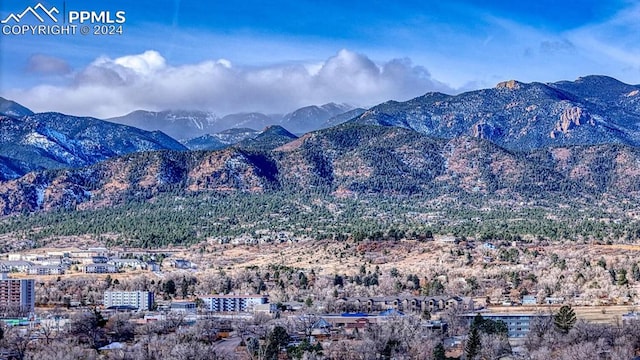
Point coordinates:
[[571, 118], [510, 84]]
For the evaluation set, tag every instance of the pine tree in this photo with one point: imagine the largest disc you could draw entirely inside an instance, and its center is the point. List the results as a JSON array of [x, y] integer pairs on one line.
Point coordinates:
[[472, 348], [169, 287], [621, 277], [635, 272], [439, 353], [565, 319]]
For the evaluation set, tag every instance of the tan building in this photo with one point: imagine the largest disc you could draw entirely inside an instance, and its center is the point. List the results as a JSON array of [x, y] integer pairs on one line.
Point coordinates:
[[17, 293]]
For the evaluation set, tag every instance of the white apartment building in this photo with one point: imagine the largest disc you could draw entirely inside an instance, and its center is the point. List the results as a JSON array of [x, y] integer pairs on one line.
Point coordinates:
[[233, 303], [143, 300]]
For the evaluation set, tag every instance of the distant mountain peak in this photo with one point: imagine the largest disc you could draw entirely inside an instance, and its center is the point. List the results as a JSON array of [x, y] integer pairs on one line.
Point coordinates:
[[12, 108], [179, 124], [190, 124], [312, 117], [342, 107], [278, 130], [220, 140], [234, 131], [598, 79]]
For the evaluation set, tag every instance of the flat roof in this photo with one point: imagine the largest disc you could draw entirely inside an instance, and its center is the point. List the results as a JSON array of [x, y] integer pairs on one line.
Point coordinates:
[[486, 314], [229, 296]]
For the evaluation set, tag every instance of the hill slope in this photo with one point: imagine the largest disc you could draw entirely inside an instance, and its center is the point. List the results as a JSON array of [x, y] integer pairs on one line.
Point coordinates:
[[53, 140], [350, 160], [221, 140], [13, 109], [514, 115]]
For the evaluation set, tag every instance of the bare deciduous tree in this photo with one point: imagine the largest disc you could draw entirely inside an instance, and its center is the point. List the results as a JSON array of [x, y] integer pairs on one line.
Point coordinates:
[[18, 340]]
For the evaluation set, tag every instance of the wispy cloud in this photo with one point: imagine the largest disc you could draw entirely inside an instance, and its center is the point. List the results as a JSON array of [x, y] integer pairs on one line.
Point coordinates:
[[614, 41], [47, 65]]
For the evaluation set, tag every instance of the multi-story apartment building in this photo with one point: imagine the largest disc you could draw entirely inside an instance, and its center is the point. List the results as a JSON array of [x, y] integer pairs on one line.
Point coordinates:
[[17, 294], [233, 303], [143, 300], [518, 324], [100, 269]]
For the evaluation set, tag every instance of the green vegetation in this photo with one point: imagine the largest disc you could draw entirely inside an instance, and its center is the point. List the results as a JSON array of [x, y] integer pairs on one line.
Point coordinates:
[[486, 326], [565, 319], [184, 220], [472, 346]]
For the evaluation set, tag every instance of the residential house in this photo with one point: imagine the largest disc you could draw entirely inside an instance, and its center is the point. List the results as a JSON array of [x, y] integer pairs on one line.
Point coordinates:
[[128, 263], [489, 246], [99, 259], [529, 300], [553, 300], [47, 270], [15, 266], [100, 269], [60, 254], [181, 264], [50, 261]]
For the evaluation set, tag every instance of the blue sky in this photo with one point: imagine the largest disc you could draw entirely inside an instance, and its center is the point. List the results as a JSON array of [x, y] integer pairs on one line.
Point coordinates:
[[275, 56]]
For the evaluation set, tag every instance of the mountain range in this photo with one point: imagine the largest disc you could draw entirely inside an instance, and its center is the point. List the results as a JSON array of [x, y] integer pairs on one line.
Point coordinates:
[[516, 142], [52, 140], [185, 125], [221, 139], [515, 115], [345, 161]]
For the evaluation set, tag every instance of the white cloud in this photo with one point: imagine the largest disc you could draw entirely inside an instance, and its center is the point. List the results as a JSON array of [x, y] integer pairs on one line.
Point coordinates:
[[112, 87], [146, 63]]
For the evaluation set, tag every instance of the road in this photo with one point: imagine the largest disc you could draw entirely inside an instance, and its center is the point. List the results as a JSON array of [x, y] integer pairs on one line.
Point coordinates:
[[227, 346]]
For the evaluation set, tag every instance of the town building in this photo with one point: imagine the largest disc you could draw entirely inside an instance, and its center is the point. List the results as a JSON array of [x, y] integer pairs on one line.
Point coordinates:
[[416, 304], [46, 270], [529, 300], [554, 300], [100, 269], [153, 266], [183, 306], [128, 263], [99, 259], [91, 252], [142, 300], [15, 266], [233, 303], [630, 317], [19, 294], [518, 324], [181, 264]]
